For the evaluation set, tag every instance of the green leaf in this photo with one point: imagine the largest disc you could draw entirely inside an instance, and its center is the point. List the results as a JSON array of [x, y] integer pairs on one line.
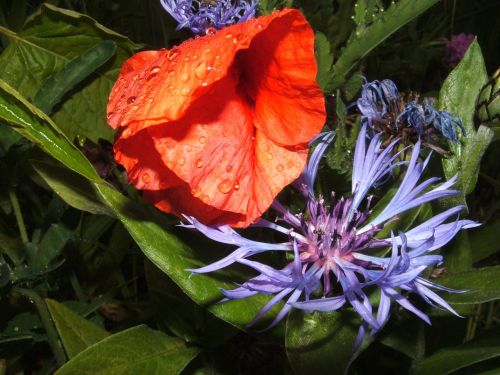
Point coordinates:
[[74, 72], [485, 240], [39, 128], [76, 332], [74, 189], [50, 39], [324, 59], [481, 285], [138, 350], [458, 258], [172, 256], [450, 359], [50, 247], [321, 343], [363, 40], [458, 95]]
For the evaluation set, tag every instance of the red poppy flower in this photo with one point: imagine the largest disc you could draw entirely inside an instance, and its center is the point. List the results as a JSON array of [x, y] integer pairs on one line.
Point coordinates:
[[218, 126]]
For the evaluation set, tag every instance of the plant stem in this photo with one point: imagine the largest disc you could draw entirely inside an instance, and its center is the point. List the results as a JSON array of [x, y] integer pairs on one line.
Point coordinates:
[[53, 337], [19, 216]]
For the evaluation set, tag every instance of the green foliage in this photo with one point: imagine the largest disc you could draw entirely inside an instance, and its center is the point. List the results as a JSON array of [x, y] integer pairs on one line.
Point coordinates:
[[448, 360], [52, 38], [76, 333], [321, 343], [458, 95], [372, 29], [136, 350]]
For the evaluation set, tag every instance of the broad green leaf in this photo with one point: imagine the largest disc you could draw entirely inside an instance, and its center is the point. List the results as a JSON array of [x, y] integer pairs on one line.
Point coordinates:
[[384, 24], [138, 350], [481, 285], [450, 359], [39, 129], [172, 256], [458, 258], [74, 72], [8, 138], [485, 240], [324, 59], [76, 332], [50, 39], [458, 95], [74, 189], [321, 343], [180, 315]]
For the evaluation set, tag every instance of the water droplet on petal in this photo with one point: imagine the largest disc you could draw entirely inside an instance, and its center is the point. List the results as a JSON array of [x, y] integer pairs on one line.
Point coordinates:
[[196, 191], [185, 91], [205, 198], [202, 139], [280, 168], [199, 163], [225, 186], [181, 161], [146, 178], [236, 185], [201, 70], [153, 73], [229, 36], [210, 31], [131, 99], [259, 26], [173, 53], [269, 156], [184, 77]]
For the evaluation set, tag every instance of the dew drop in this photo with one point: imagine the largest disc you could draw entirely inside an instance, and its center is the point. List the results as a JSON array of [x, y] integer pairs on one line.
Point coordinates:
[[196, 192], [181, 161], [202, 139], [199, 163], [259, 26], [184, 77], [131, 99], [189, 149], [210, 31], [185, 91], [280, 168], [236, 185], [205, 198], [173, 53], [229, 36], [269, 156], [146, 178], [154, 72], [201, 70], [225, 186]]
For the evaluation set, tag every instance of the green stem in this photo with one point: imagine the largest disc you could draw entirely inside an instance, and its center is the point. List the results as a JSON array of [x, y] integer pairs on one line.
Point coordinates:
[[19, 216], [50, 329]]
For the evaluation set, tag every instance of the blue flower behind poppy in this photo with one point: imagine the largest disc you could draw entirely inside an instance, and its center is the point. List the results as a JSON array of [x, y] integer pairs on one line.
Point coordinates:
[[201, 15], [333, 242], [384, 109]]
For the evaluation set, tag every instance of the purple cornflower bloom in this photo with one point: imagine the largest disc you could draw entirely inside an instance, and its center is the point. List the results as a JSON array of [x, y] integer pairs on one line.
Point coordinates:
[[334, 243], [456, 47], [201, 15], [384, 109]]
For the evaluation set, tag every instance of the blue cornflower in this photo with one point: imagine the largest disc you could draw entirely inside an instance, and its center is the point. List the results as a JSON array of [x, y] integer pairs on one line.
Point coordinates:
[[333, 242], [383, 109], [202, 15]]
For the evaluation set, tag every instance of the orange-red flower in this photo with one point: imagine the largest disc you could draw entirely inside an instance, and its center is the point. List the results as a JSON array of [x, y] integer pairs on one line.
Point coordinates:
[[218, 126]]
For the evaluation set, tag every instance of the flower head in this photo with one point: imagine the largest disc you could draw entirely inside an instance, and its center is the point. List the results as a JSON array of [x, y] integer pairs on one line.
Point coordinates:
[[201, 15], [456, 47], [383, 109], [214, 128], [335, 245]]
